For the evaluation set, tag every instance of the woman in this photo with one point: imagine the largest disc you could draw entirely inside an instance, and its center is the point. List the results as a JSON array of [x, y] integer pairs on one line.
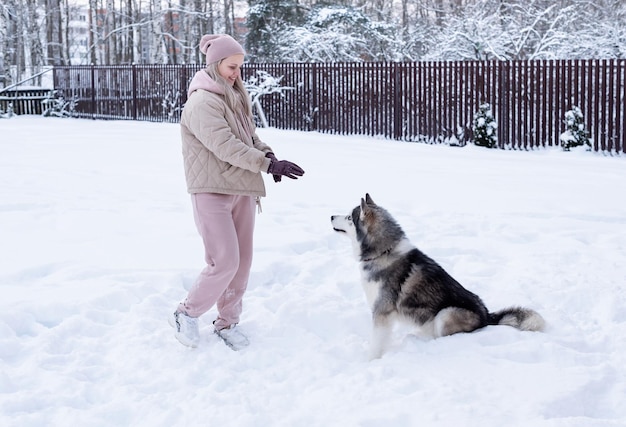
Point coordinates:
[[223, 159]]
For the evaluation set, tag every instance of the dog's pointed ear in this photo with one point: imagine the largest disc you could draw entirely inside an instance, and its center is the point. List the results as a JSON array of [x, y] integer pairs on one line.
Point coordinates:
[[364, 209], [369, 200]]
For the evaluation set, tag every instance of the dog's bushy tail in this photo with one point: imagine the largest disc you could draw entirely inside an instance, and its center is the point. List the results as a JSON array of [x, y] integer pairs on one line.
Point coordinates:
[[521, 318]]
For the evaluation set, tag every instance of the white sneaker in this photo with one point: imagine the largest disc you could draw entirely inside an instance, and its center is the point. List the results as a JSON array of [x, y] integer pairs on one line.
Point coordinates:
[[233, 337], [186, 328]]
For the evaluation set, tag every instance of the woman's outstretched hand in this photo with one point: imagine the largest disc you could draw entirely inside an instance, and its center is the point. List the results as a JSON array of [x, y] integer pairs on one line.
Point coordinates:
[[285, 168]]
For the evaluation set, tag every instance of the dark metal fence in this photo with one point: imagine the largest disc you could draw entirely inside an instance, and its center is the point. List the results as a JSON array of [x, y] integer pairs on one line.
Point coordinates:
[[413, 101], [23, 101]]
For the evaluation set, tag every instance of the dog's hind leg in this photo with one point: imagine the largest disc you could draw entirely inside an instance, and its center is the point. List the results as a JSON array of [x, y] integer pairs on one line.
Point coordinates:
[[454, 319]]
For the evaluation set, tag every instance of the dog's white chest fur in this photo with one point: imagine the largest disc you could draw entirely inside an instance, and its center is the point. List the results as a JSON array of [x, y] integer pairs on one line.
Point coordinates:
[[371, 289]]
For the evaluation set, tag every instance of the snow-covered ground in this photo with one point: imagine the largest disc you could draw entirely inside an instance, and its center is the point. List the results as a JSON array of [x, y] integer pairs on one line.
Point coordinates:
[[98, 245]]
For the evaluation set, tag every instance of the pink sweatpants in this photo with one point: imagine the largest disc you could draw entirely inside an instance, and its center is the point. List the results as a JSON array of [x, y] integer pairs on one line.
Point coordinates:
[[226, 224]]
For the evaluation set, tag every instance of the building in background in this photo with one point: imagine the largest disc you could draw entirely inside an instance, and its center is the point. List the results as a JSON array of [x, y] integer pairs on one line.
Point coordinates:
[[78, 26]]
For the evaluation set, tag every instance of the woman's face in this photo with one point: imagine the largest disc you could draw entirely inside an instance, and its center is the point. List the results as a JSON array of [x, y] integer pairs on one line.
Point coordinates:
[[230, 68]]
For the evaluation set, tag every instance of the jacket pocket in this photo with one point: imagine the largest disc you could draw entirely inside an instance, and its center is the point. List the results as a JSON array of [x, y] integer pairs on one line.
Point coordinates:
[[233, 173]]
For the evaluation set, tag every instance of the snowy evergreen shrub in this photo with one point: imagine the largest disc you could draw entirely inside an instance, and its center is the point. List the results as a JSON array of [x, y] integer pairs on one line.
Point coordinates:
[[55, 105], [575, 135], [484, 127]]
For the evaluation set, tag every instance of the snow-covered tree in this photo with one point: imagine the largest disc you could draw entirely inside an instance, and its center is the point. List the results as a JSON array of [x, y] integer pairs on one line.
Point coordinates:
[[36, 33], [5, 57], [509, 30], [372, 40], [599, 31], [267, 21], [330, 34], [473, 33], [485, 127], [575, 134]]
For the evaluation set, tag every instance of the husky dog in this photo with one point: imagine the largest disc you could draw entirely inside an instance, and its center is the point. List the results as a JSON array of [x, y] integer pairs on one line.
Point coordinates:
[[403, 284]]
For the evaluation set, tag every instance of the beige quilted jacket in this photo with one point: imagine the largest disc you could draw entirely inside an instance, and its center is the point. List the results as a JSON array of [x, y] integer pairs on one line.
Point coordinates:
[[219, 155]]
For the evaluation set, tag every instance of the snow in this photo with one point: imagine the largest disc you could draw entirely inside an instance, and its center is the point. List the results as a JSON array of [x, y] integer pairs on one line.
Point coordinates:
[[98, 246]]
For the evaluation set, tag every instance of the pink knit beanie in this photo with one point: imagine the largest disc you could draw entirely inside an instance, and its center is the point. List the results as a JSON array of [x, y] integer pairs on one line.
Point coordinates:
[[219, 46]]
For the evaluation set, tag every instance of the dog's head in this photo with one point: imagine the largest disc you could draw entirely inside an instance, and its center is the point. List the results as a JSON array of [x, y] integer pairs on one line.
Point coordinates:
[[371, 228]]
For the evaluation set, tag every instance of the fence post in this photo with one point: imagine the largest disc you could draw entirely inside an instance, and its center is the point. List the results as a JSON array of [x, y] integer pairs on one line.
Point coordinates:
[[397, 104], [183, 85], [134, 89], [314, 89], [93, 92]]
